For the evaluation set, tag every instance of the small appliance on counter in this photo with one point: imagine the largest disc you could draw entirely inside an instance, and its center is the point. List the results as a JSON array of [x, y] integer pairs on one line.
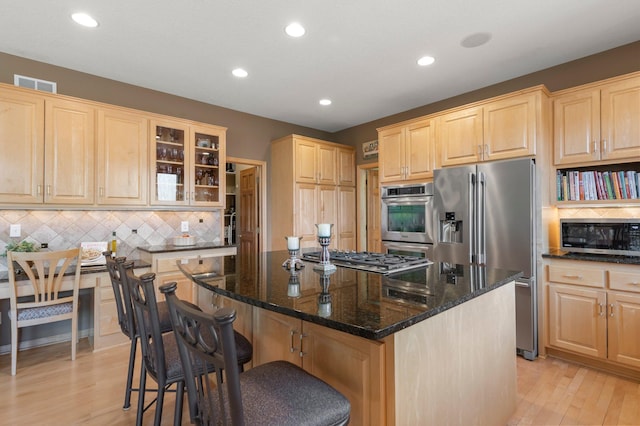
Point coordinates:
[[91, 253], [184, 240]]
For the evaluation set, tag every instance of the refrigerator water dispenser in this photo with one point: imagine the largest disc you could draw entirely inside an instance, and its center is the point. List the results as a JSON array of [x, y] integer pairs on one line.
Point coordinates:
[[450, 229]]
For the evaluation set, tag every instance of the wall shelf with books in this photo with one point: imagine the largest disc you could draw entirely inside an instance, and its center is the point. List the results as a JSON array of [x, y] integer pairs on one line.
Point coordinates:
[[608, 185]]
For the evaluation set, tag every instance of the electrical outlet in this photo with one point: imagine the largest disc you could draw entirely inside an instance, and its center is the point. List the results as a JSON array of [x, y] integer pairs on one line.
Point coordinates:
[[184, 226], [15, 230]]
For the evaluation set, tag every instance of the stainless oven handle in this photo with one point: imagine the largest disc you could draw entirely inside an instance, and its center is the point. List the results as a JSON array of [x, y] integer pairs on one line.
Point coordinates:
[[390, 201]]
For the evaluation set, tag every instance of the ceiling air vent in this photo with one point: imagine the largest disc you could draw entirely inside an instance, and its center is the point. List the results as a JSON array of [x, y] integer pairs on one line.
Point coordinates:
[[34, 83]]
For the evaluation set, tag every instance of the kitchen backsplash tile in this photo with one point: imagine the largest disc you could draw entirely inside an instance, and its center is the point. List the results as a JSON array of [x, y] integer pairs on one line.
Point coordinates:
[[67, 228]]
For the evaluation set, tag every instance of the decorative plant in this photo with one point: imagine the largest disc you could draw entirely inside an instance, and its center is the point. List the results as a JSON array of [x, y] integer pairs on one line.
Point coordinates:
[[23, 245]]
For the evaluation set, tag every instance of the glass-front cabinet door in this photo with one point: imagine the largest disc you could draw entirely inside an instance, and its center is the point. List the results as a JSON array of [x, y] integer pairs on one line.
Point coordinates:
[[170, 149], [187, 164], [208, 155]]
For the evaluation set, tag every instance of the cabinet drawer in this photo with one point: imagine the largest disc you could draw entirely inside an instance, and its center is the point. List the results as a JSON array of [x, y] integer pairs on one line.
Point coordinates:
[[624, 280], [575, 275], [169, 265]]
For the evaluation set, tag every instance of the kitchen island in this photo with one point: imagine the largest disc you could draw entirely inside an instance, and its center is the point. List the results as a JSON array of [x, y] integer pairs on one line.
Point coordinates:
[[433, 345]]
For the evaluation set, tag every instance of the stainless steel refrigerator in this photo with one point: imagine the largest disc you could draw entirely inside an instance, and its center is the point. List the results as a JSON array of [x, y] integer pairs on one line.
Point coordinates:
[[485, 214]]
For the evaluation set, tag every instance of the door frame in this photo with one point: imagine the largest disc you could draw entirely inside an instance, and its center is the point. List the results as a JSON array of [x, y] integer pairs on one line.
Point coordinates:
[[262, 197], [361, 203]]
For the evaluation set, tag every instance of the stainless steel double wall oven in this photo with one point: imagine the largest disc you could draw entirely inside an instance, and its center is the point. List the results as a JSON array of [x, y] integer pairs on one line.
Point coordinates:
[[408, 219]]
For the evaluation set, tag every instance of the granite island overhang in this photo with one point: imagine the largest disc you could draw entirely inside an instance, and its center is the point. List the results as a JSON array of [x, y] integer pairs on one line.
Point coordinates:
[[446, 355], [416, 294]]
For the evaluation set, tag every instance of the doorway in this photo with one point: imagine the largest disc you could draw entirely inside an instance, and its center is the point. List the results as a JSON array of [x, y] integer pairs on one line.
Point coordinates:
[[245, 215], [369, 208]]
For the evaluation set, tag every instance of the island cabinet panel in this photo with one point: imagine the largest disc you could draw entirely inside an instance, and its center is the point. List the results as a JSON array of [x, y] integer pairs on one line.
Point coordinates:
[[22, 135], [593, 312], [351, 364], [598, 122], [123, 157], [407, 151], [308, 175], [467, 371]]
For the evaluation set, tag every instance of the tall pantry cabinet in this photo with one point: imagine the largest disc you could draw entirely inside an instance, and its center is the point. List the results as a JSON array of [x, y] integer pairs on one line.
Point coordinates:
[[312, 181]]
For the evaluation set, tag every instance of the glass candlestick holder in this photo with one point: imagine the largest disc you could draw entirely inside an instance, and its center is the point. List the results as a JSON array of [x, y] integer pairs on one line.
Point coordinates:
[[293, 245], [324, 298], [325, 259]]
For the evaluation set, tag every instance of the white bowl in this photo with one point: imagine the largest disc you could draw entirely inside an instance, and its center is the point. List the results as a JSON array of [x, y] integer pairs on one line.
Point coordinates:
[[183, 240]]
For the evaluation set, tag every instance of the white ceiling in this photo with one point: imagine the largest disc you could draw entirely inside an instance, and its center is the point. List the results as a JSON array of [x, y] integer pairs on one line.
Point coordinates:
[[359, 53]]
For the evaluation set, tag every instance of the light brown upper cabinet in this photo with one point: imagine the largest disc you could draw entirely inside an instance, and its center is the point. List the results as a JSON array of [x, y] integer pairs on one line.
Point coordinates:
[[346, 167], [49, 145], [597, 123], [406, 151], [187, 164], [315, 161], [22, 144], [122, 167], [501, 128], [299, 201]]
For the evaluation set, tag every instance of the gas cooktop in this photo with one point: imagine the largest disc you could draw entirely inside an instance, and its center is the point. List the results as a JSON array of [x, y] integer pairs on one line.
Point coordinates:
[[380, 263]]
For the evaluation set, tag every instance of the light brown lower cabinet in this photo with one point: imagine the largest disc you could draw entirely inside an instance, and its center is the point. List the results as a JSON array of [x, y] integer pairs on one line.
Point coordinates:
[[353, 365], [594, 310], [106, 328]]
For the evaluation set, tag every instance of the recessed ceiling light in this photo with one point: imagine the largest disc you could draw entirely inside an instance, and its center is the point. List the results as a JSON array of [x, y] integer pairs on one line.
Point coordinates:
[[325, 102], [295, 30], [84, 20], [426, 60], [475, 40], [239, 72]]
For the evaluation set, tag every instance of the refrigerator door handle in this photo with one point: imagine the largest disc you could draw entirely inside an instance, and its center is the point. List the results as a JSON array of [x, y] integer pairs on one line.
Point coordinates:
[[471, 219], [481, 219]]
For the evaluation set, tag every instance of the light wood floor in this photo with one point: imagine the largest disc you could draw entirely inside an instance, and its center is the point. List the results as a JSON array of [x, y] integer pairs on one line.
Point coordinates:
[[49, 389]]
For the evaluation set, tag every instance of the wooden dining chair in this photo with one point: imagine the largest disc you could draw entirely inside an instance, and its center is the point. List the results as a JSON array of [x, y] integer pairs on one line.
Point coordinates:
[[45, 293], [277, 393]]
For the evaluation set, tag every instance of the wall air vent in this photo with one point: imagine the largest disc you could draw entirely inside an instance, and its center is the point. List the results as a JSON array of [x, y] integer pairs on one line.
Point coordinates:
[[35, 83]]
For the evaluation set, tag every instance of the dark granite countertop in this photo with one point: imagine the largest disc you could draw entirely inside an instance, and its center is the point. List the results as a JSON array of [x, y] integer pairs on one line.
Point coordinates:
[[365, 304], [163, 248], [560, 254]]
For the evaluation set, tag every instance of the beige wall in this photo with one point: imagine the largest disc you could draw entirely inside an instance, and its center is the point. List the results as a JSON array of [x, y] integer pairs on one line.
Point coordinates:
[[611, 63], [248, 136]]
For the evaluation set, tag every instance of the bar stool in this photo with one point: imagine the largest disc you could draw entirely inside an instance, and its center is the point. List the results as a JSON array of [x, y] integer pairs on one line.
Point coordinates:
[[276, 393]]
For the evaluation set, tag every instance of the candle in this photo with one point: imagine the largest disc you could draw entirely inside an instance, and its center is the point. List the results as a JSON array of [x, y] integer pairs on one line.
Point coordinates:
[[293, 243], [324, 229]]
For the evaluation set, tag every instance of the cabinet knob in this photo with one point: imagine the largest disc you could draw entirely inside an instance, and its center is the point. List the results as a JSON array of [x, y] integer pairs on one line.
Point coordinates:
[[611, 310], [604, 146], [600, 310]]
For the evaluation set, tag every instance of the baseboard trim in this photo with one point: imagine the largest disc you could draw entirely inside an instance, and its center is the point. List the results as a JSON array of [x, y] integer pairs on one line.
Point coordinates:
[[45, 341]]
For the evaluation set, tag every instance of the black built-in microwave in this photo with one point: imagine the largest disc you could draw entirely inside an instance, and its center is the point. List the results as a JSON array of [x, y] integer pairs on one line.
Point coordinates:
[[601, 236]]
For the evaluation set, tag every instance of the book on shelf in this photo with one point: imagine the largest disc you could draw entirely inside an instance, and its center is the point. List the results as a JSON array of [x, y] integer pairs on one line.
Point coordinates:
[[593, 185]]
